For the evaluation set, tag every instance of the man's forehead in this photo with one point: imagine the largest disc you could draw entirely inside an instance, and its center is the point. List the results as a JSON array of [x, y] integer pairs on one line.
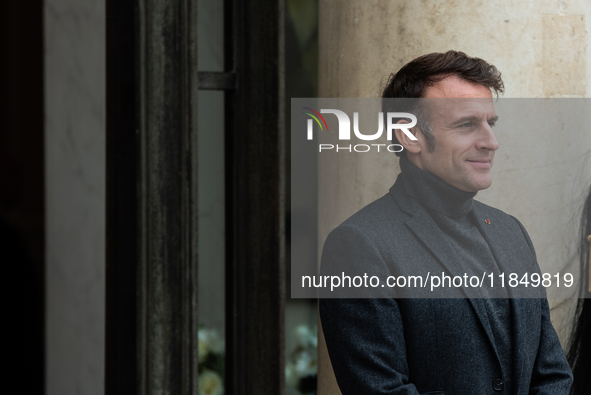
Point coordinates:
[[475, 107], [450, 111], [454, 87]]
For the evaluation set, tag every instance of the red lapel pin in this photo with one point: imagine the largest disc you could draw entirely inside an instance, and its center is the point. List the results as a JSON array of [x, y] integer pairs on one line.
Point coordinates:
[[487, 221]]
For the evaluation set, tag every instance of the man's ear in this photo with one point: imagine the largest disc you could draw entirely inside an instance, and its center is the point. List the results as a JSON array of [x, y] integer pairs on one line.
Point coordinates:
[[409, 145]]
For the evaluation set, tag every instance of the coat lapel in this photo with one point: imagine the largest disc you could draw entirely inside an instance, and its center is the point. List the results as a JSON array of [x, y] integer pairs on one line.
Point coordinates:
[[499, 240], [426, 230], [508, 246]]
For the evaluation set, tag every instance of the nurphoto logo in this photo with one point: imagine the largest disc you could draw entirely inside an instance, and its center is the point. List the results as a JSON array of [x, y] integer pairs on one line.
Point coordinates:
[[344, 132]]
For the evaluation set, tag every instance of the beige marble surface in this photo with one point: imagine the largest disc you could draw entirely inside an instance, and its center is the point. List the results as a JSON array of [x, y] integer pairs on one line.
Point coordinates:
[[75, 196]]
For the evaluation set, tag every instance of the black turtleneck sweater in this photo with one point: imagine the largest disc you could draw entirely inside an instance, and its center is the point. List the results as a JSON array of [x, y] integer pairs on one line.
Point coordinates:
[[451, 210]]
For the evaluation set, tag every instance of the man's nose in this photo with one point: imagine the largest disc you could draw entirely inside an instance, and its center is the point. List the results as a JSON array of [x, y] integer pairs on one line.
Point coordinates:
[[487, 140]]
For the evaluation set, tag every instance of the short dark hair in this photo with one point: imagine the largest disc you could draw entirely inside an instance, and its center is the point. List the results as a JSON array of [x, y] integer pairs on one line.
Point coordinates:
[[413, 79]]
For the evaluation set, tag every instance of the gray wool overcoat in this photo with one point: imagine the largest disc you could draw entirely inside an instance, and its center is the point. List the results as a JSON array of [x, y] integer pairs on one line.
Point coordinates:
[[402, 345]]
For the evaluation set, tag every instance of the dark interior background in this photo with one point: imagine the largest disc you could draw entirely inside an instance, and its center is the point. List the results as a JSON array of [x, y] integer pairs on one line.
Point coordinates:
[[21, 193]]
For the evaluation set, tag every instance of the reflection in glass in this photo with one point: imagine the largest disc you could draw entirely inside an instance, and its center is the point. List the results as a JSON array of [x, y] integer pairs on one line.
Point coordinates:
[[211, 243], [211, 203]]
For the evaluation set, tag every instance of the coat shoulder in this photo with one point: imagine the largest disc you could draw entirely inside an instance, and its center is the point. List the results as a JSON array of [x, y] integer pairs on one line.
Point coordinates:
[[379, 215]]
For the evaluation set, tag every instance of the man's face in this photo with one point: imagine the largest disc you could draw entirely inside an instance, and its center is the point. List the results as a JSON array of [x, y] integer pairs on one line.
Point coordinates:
[[462, 115]]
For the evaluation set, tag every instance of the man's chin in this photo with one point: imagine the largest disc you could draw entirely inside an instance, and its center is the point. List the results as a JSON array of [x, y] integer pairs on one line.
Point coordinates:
[[481, 186], [477, 185]]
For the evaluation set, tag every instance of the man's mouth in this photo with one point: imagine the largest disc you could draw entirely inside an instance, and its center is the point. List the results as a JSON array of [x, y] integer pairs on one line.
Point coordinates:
[[480, 163]]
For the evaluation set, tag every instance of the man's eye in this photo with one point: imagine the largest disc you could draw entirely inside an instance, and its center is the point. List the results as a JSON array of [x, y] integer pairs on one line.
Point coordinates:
[[466, 125], [492, 124]]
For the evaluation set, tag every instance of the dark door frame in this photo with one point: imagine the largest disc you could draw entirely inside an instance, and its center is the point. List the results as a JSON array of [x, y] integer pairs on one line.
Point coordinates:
[[151, 294]]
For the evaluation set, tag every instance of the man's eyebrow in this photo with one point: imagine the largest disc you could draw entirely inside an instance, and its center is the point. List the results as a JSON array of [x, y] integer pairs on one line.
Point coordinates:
[[472, 118]]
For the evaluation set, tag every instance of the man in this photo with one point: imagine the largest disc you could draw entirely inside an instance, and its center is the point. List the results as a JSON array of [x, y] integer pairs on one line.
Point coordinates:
[[429, 221]]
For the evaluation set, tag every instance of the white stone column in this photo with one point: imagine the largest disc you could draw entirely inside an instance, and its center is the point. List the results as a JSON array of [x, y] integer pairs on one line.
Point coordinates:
[[541, 49], [75, 196]]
